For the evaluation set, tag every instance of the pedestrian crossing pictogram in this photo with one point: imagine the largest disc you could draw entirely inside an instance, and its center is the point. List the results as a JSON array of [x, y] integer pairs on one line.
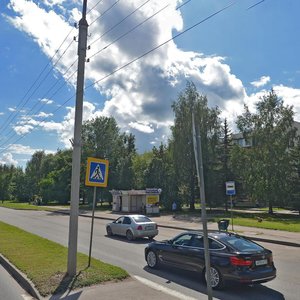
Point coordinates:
[[96, 172]]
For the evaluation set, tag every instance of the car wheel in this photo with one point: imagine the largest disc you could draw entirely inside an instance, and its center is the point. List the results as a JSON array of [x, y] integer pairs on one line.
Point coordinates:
[[109, 231], [216, 278], [129, 235], [150, 238], [152, 260]]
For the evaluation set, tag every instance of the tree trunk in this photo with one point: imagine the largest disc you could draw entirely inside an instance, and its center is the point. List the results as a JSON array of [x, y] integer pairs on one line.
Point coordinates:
[[271, 208]]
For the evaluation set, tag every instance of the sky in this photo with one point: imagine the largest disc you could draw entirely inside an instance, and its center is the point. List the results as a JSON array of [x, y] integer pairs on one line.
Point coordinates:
[[234, 51]]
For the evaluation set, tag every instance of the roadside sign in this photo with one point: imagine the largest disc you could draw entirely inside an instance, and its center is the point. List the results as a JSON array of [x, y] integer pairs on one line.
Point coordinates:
[[230, 188], [96, 172]]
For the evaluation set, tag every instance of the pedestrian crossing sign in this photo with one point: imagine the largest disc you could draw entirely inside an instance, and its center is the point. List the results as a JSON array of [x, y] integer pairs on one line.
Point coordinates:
[[96, 172]]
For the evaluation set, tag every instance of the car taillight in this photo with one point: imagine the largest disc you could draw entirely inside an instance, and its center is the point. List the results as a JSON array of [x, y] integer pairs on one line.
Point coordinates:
[[237, 261], [140, 227], [270, 259]]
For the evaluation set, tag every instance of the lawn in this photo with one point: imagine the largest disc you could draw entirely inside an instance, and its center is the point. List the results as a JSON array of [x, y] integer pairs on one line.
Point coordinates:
[[22, 205], [45, 262], [264, 220]]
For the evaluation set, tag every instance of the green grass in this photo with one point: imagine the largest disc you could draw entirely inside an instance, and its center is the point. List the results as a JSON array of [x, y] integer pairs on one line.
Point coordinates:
[[45, 262], [276, 222], [22, 205]]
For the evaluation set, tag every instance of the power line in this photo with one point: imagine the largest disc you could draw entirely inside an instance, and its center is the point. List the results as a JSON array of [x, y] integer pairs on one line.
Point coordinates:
[[135, 27], [94, 6], [106, 32], [160, 45], [101, 15], [134, 60], [41, 121], [129, 31], [9, 120], [255, 4], [10, 136]]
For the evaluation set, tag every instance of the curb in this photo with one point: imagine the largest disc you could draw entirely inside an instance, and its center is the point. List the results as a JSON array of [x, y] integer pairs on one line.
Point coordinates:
[[278, 242], [21, 278]]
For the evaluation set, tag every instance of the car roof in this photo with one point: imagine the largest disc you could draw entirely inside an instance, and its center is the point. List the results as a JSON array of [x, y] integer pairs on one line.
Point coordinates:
[[135, 216], [214, 234]]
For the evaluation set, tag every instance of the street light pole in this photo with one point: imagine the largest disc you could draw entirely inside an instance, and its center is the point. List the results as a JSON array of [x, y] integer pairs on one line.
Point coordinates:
[[76, 157]]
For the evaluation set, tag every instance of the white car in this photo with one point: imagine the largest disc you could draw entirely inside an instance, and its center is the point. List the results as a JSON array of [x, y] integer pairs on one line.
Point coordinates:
[[133, 226]]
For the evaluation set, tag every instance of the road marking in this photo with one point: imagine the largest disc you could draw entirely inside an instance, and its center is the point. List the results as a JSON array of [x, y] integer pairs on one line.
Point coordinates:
[[27, 297], [163, 289]]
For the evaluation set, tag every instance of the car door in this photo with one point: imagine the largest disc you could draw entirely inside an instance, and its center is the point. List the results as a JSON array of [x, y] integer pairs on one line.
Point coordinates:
[[126, 223], [116, 225], [176, 253]]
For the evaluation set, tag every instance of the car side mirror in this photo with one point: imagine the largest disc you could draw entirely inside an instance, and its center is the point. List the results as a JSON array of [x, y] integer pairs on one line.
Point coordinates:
[[170, 242]]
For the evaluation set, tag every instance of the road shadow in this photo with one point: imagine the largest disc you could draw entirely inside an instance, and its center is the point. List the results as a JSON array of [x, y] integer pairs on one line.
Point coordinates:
[[124, 239], [232, 291]]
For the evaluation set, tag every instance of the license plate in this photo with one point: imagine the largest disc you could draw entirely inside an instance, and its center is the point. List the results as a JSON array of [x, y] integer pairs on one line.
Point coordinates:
[[149, 227], [261, 262]]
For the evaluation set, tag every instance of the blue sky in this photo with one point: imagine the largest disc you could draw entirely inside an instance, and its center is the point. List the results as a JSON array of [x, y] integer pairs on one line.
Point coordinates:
[[233, 58]]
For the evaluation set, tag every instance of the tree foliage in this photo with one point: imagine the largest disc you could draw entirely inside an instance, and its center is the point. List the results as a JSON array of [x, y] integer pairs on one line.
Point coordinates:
[[264, 167], [207, 119]]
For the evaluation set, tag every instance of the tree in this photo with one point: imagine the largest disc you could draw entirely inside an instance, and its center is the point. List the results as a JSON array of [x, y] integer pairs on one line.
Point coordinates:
[[33, 173], [182, 144], [294, 202], [102, 139], [141, 163], [264, 167], [160, 174], [225, 173]]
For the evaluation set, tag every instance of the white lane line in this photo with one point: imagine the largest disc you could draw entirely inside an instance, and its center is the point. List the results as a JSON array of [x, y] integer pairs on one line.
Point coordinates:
[[27, 297], [163, 289]]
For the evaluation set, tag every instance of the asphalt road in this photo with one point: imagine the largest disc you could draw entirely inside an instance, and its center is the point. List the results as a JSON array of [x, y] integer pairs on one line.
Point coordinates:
[[130, 256]]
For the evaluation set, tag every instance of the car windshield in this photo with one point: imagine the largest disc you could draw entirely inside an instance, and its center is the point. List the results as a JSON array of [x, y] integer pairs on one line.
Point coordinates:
[[141, 219], [241, 244]]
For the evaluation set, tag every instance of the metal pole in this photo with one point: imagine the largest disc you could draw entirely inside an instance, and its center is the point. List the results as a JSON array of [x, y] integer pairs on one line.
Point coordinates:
[[92, 226], [231, 206], [199, 167], [75, 181]]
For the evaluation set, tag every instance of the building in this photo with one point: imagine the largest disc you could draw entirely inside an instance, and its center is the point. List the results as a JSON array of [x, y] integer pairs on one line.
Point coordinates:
[[136, 201]]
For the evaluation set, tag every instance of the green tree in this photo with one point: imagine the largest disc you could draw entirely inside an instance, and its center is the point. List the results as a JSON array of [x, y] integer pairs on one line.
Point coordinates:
[[207, 119], [264, 167], [225, 173], [294, 201], [141, 163], [102, 139], [33, 174], [160, 174]]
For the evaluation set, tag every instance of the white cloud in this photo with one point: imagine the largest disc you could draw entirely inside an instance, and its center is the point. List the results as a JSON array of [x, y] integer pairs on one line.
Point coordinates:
[[43, 115], [140, 95], [25, 150], [47, 101], [143, 127], [22, 129], [291, 97], [7, 159], [261, 82]]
